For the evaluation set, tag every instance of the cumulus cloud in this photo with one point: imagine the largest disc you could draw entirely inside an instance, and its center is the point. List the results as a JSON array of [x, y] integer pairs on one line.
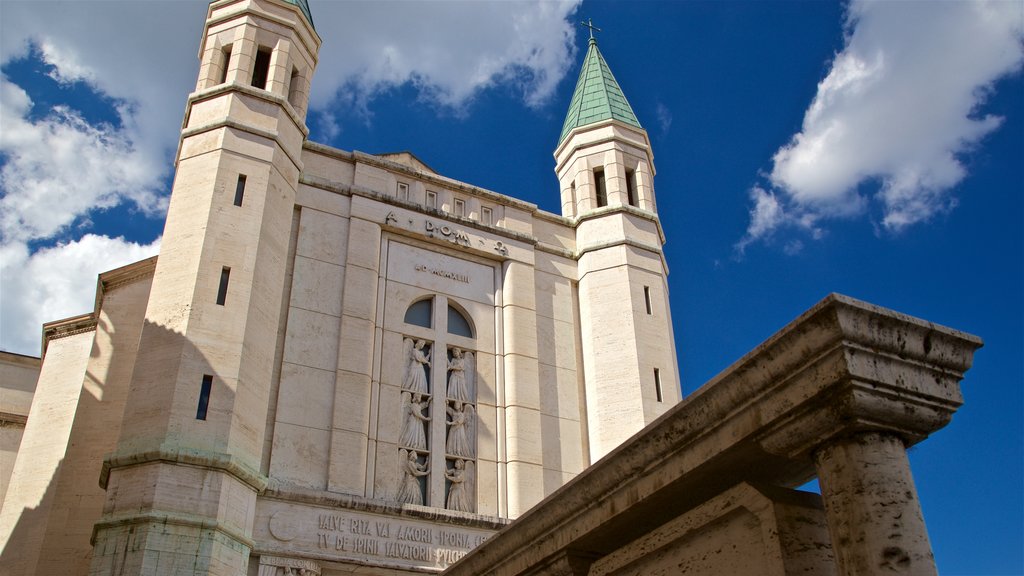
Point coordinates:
[[60, 167], [897, 111], [54, 283], [448, 50]]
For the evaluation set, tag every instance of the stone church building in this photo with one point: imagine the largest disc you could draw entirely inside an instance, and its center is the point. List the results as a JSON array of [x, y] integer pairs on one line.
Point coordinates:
[[345, 363]]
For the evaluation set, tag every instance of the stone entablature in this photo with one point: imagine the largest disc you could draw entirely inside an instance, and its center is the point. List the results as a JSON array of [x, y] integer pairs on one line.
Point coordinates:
[[840, 393]]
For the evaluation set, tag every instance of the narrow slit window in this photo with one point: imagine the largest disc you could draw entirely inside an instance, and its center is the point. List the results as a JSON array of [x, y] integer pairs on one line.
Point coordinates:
[[460, 207], [225, 63], [631, 187], [599, 186], [261, 69], [403, 191], [432, 200], [647, 299], [204, 397], [294, 82], [222, 291], [657, 385], [240, 190], [486, 216]]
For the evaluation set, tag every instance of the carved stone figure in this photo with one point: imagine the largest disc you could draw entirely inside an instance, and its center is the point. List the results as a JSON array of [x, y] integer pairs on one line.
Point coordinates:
[[416, 370], [458, 494], [409, 492], [459, 427], [413, 434], [457, 385]]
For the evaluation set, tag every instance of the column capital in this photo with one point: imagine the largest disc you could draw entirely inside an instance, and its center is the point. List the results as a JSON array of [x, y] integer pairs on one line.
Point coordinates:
[[875, 371]]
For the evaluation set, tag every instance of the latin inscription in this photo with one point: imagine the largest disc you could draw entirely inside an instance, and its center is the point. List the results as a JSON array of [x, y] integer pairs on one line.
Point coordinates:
[[394, 540], [445, 231], [453, 235], [443, 273]]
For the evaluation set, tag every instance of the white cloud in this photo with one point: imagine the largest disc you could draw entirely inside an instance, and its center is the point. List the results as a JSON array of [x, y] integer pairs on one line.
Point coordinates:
[[60, 167], [664, 116], [899, 108], [55, 283], [449, 50]]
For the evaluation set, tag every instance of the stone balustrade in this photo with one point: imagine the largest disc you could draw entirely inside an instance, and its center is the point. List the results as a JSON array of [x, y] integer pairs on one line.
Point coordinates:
[[839, 393]]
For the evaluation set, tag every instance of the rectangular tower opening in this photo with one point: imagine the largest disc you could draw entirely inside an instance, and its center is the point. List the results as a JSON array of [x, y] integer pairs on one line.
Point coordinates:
[[225, 62], [599, 187], [485, 216], [403, 191], [240, 190], [293, 88], [261, 68], [657, 385], [631, 188], [460, 207], [204, 397], [647, 299], [432, 200], [222, 291]]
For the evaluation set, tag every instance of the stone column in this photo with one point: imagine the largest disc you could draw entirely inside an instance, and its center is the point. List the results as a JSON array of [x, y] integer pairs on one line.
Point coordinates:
[[872, 508]]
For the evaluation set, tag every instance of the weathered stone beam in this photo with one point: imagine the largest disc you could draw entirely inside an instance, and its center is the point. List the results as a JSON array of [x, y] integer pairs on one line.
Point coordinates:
[[827, 394]]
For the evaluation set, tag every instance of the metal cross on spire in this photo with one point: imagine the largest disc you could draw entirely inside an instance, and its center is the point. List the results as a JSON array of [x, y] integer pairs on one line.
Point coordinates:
[[590, 24]]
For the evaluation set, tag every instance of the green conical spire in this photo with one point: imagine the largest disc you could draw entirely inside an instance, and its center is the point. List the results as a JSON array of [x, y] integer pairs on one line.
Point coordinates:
[[304, 6], [597, 96]]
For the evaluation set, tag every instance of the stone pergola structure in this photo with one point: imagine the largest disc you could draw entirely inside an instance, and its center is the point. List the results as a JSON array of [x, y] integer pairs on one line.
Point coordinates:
[[840, 393]]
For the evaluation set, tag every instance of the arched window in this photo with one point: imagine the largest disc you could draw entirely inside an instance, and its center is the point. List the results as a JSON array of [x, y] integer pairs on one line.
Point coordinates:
[[438, 435], [458, 324], [420, 313]]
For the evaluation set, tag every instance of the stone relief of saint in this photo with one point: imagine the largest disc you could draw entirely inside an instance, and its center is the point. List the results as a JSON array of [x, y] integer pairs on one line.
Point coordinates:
[[459, 493], [409, 492], [418, 360], [413, 434], [459, 430], [460, 373]]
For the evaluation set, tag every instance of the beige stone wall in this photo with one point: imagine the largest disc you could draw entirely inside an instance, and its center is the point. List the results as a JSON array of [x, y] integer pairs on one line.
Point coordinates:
[[18, 376], [78, 500], [744, 531], [32, 492]]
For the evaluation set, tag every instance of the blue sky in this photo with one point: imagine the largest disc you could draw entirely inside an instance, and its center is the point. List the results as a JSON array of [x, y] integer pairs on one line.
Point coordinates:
[[802, 148]]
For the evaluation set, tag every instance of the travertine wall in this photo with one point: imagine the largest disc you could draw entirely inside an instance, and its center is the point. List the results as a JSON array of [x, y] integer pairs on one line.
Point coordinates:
[[18, 376], [78, 500], [31, 495]]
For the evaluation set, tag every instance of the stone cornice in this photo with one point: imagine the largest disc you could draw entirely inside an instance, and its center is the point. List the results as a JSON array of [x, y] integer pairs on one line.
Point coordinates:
[[68, 327], [351, 190], [12, 418], [285, 493], [171, 520], [231, 123], [843, 367], [227, 463]]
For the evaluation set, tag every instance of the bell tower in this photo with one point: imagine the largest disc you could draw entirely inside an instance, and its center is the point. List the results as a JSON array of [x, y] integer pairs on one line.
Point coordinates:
[[605, 169], [181, 486]]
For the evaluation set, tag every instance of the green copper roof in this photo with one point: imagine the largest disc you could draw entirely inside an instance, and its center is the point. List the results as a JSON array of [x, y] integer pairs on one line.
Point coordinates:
[[597, 96], [304, 6]]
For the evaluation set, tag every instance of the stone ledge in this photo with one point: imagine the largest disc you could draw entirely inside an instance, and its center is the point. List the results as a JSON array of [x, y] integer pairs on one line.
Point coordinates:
[[854, 366], [351, 502], [200, 458]]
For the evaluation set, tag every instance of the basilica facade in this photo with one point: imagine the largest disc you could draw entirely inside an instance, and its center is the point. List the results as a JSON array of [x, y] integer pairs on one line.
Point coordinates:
[[342, 362]]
